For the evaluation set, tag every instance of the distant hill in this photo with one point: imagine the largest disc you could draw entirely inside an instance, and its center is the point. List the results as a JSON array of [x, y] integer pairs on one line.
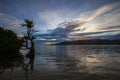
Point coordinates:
[[91, 42]]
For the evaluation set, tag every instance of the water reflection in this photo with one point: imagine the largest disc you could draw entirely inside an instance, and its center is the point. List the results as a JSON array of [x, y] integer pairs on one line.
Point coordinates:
[[28, 62], [73, 62], [78, 58]]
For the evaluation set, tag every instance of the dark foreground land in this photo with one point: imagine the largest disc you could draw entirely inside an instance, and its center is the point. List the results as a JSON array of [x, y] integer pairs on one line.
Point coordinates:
[[91, 42]]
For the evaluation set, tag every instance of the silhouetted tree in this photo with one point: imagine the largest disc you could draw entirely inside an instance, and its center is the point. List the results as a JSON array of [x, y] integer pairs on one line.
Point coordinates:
[[9, 50], [30, 31], [29, 24], [9, 43]]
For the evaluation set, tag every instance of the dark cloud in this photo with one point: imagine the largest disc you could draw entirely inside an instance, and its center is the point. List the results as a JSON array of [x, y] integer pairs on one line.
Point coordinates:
[[111, 27], [62, 31], [92, 33], [66, 27]]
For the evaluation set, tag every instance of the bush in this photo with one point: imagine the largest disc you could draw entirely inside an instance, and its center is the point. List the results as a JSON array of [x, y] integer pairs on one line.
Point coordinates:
[[9, 43]]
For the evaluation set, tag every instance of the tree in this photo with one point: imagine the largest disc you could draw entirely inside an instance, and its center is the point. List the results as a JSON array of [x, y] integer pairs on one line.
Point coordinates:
[[30, 31], [9, 50], [29, 24], [9, 43]]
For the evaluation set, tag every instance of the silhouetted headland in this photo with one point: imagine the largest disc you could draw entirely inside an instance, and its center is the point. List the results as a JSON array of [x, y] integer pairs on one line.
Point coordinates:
[[91, 42]]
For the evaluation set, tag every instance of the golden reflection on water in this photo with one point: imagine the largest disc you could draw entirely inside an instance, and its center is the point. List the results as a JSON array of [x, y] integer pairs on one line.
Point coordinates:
[[90, 63], [85, 61], [90, 59]]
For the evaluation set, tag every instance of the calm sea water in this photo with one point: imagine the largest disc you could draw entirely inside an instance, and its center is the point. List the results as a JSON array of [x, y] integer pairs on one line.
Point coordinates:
[[68, 62]]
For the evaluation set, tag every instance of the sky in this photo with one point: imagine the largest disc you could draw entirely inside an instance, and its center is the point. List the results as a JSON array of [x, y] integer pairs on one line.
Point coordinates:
[[64, 19]]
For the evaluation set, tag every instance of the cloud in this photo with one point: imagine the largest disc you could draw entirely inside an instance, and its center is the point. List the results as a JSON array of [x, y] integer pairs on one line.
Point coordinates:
[[1, 14], [105, 34], [68, 27], [10, 22], [99, 11], [103, 21], [106, 16], [52, 18], [93, 33]]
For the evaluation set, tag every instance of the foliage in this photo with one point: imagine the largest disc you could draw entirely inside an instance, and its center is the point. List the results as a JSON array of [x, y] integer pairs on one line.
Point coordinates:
[[29, 24], [9, 43]]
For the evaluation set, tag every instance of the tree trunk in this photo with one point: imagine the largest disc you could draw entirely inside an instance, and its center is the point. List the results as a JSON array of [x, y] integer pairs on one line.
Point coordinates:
[[26, 43], [32, 46]]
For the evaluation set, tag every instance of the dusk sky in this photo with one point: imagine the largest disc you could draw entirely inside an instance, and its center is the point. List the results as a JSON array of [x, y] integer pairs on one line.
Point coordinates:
[[69, 19]]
